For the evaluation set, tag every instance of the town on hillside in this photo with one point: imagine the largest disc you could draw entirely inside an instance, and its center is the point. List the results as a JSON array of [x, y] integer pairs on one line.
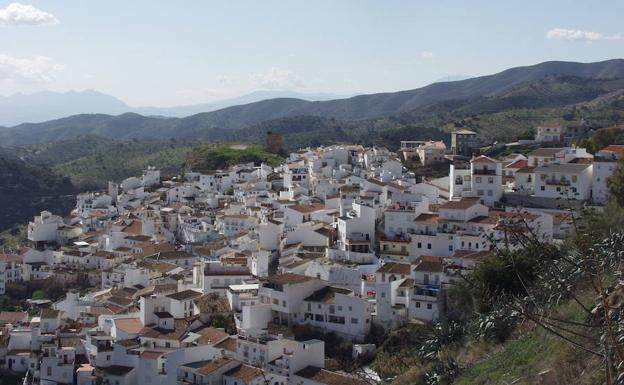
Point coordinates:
[[243, 275]]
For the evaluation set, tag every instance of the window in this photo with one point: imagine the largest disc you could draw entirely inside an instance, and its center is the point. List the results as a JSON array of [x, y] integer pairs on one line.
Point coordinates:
[[429, 306], [429, 246], [478, 179], [574, 178], [543, 188], [418, 304], [490, 179], [480, 193], [489, 193], [354, 320], [419, 245]]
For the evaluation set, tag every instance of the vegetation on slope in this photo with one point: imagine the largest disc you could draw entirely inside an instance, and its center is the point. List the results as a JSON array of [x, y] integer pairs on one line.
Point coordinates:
[[28, 189], [117, 160], [219, 156], [545, 314]]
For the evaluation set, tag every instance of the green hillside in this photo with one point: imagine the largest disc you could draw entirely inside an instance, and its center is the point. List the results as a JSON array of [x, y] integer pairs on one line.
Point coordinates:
[[210, 157], [26, 190]]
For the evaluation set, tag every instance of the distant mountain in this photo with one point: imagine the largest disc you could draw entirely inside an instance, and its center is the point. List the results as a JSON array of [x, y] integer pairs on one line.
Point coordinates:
[[47, 105], [549, 84], [256, 96]]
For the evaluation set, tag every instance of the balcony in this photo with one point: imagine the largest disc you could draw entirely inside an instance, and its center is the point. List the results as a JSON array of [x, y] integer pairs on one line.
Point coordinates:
[[483, 171], [557, 182]]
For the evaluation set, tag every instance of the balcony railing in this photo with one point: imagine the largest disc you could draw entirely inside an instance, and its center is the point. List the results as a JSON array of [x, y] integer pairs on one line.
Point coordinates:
[[558, 182], [483, 171]]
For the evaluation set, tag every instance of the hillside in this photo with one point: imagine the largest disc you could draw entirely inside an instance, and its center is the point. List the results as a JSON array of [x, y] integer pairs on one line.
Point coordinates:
[[550, 84], [210, 157], [27, 189], [90, 162]]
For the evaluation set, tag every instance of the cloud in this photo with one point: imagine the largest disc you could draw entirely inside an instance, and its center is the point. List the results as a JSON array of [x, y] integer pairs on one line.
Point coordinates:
[[23, 14], [426, 54], [276, 79], [223, 80], [578, 35], [38, 69]]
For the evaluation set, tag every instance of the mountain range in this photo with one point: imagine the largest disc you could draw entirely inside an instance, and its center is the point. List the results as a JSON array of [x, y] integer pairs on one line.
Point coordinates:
[[48, 105], [548, 84]]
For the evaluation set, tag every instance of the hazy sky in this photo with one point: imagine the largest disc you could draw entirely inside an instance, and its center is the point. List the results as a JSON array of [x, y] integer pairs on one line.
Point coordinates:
[[154, 52]]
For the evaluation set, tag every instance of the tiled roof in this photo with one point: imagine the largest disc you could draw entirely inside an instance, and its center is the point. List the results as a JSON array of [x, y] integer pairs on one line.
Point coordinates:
[[228, 344], [13, 316], [184, 295], [308, 208], [210, 335], [212, 303], [461, 204], [129, 325], [244, 373], [288, 278], [213, 365], [395, 268], [431, 264], [327, 294]]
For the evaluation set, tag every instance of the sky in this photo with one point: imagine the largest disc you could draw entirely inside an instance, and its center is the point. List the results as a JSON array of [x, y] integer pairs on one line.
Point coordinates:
[[163, 53]]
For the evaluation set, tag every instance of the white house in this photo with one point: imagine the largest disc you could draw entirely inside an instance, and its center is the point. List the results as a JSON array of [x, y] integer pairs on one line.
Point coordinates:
[[604, 165], [564, 181]]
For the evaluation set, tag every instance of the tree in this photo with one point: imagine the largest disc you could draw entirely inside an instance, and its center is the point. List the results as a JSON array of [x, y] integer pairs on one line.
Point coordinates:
[[616, 183]]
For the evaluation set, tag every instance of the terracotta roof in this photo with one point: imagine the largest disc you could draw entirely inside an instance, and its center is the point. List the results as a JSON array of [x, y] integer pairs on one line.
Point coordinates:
[[308, 208], [174, 255], [427, 218], [129, 325], [518, 164], [13, 316], [185, 295], [210, 335], [244, 373], [430, 264], [395, 268], [526, 170], [323, 376], [461, 204], [166, 334], [616, 148], [327, 294], [484, 159], [228, 344], [288, 278], [214, 365], [135, 228], [212, 303]]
